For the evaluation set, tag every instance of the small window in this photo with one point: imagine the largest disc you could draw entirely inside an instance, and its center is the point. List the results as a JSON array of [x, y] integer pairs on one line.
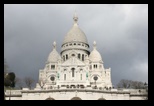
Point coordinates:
[[67, 45], [73, 72], [73, 55], [79, 56], [66, 57], [79, 44], [52, 78], [82, 57], [74, 43], [64, 76], [52, 67], [70, 44]]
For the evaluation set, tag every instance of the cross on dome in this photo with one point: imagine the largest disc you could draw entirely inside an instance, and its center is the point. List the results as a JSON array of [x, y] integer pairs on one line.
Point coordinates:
[[54, 45], [75, 18], [94, 45]]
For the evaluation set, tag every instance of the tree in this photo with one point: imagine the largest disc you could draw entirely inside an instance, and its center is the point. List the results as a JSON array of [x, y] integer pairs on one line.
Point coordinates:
[[9, 79], [130, 84], [29, 82], [41, 83], [137, 85], [124, 83], [19, 82]]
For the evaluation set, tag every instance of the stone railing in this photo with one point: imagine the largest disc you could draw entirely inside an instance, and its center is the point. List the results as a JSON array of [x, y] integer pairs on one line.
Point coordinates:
[[13, 92], [75, 47]]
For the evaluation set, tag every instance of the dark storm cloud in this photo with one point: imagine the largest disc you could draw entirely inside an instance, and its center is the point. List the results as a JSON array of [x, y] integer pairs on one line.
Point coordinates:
[[121, 33]]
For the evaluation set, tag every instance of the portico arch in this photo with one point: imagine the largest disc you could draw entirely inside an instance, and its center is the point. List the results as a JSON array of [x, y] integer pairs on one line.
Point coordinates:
[[76, 98], [50, 98], [101, 99]]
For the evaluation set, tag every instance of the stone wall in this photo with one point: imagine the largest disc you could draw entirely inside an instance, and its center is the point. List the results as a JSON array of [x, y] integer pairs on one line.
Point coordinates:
[[83, 94]]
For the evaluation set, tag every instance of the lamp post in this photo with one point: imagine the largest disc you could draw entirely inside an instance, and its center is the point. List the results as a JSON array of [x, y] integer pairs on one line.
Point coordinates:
[[146, 87], [95, 78], [10, 92]]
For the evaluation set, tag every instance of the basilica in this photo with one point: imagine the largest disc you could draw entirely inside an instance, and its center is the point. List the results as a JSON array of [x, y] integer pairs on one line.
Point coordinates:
[[75, 66], [76, 73]]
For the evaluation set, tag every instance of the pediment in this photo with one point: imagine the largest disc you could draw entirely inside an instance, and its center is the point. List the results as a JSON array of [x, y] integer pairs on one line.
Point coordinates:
[[73, 61]]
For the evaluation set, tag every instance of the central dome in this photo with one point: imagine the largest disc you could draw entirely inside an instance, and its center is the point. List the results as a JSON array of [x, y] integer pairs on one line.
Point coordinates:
[[75, 34]]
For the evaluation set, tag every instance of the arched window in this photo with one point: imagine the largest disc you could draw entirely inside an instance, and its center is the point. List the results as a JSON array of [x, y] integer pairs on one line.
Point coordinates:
[[52, 67], [96, 65], [66, 57], [73, 54], [73, 72], [82, 57], [76, 98], [79, 56], [64, 76], [50, 98]]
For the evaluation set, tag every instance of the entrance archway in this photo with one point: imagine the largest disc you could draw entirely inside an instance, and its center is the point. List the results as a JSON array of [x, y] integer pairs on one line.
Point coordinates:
[[101, 99], [50, 98], [76, 98]]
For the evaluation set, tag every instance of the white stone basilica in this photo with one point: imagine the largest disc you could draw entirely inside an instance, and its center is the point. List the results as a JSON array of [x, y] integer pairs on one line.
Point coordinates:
[[75, 74], [75, 66]]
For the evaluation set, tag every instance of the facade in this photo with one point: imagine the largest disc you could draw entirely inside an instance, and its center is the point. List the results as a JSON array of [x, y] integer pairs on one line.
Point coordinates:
[[74, 74], [75, 66]]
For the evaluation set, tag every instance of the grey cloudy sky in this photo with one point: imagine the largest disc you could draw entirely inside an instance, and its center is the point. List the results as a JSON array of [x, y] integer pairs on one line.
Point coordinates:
[[121, 33]]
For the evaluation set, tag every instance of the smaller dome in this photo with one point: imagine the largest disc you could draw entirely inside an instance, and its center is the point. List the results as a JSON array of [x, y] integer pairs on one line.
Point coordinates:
[[95, 55], [54, 55]]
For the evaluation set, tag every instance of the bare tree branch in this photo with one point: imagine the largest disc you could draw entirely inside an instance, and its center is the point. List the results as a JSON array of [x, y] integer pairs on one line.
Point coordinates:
[[130, 84], [19, 82], [29, 81]]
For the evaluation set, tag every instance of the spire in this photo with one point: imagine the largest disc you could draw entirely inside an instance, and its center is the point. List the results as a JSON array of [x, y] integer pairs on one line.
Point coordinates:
[[94, 45], [54, 45], [75, 18]]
